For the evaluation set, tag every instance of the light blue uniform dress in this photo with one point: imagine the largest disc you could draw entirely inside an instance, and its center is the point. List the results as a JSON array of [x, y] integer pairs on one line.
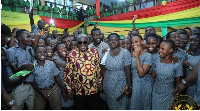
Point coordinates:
[[142, 86], [192, 88], [164, 84], [69, 102], [197, 96], [115, 79], [182, 56]]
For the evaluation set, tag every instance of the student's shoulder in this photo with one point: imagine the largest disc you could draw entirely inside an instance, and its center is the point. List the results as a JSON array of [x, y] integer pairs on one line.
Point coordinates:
[[93, 50]]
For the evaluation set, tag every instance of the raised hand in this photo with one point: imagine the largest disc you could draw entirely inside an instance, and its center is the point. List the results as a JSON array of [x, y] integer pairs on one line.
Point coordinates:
[[40, 33], [134, 18], [87, 24], [137, 52]]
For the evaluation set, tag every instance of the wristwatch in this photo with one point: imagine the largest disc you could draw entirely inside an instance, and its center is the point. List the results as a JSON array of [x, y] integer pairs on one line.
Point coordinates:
[[184, 82], [190, 68], [10, 103]]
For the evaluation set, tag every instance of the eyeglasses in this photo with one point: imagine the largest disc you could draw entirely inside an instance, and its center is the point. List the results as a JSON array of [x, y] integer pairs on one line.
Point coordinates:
[[82, 42]]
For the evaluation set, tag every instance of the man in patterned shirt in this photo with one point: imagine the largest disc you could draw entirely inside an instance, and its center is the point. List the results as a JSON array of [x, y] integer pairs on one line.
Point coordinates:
[[82, 75]]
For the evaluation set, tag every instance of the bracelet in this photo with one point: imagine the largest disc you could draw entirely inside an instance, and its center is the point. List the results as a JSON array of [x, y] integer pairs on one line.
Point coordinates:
[[10, 103], [190, 68], [184, 82]]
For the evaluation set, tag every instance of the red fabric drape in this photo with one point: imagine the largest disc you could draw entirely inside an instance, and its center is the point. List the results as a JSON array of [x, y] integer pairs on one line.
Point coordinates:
[[98, 8], [171, 7], [62, 23]]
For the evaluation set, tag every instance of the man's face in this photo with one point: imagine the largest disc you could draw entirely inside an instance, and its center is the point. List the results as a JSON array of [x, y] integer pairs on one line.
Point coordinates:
[[174, 36], [79, 30], [55, 33], [97, 36], [83, 44], [41, 24], [26, 38], [4, 40]]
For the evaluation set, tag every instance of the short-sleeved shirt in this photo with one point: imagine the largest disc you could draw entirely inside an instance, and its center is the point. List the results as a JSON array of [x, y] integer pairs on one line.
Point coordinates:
[[182, 56], [18, 56], [99, 48], [44, 75]]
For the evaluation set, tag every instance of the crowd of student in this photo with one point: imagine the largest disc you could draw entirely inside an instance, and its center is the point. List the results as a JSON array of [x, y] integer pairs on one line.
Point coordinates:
[[78, 14], [89, 71]]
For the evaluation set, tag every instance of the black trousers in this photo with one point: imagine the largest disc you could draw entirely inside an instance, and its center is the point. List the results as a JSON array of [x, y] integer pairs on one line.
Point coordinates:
[[87, 102]]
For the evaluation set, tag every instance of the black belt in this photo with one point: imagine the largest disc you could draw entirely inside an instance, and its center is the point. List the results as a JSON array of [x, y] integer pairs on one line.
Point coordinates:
[[49, 87]]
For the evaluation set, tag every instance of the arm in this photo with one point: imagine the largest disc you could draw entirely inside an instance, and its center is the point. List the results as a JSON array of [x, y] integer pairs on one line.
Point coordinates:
[[48, 30], [190, 78], [142, 69], [128, 79], [87, 24], [36, 88], [15, 69], [68, 75], [98, 70], [40, 33], [133, 22], [31, 17], [6, 99], [12, 82], [63, 90], [12, 40]]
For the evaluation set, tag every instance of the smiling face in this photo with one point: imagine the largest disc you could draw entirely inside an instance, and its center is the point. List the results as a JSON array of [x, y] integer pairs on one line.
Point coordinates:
[[49, 51], [97, 36], [79, 30], [165, 50], [121, 43], [152, 44], [82, 43], [174, 36], [183, 40], [62, 50], [149, 30], [67, 42], [136, 42], [26, 38], [52, 43], [74, 44], [41, 53], [41, 24], [194, 42], [113, 41], [127, 44]]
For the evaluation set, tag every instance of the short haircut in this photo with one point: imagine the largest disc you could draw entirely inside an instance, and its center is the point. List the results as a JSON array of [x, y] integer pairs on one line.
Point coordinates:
[[95, 29], [82, 35], [5, 30], [128, 40], [185, 34], [38, 48], [19, 33], [170, 42], [188, 28], [137, 35], [184, 31], [64, 37], [169, 34], [150, 27], [196, 34], [152, 35], [59, 45], [113, 34]]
